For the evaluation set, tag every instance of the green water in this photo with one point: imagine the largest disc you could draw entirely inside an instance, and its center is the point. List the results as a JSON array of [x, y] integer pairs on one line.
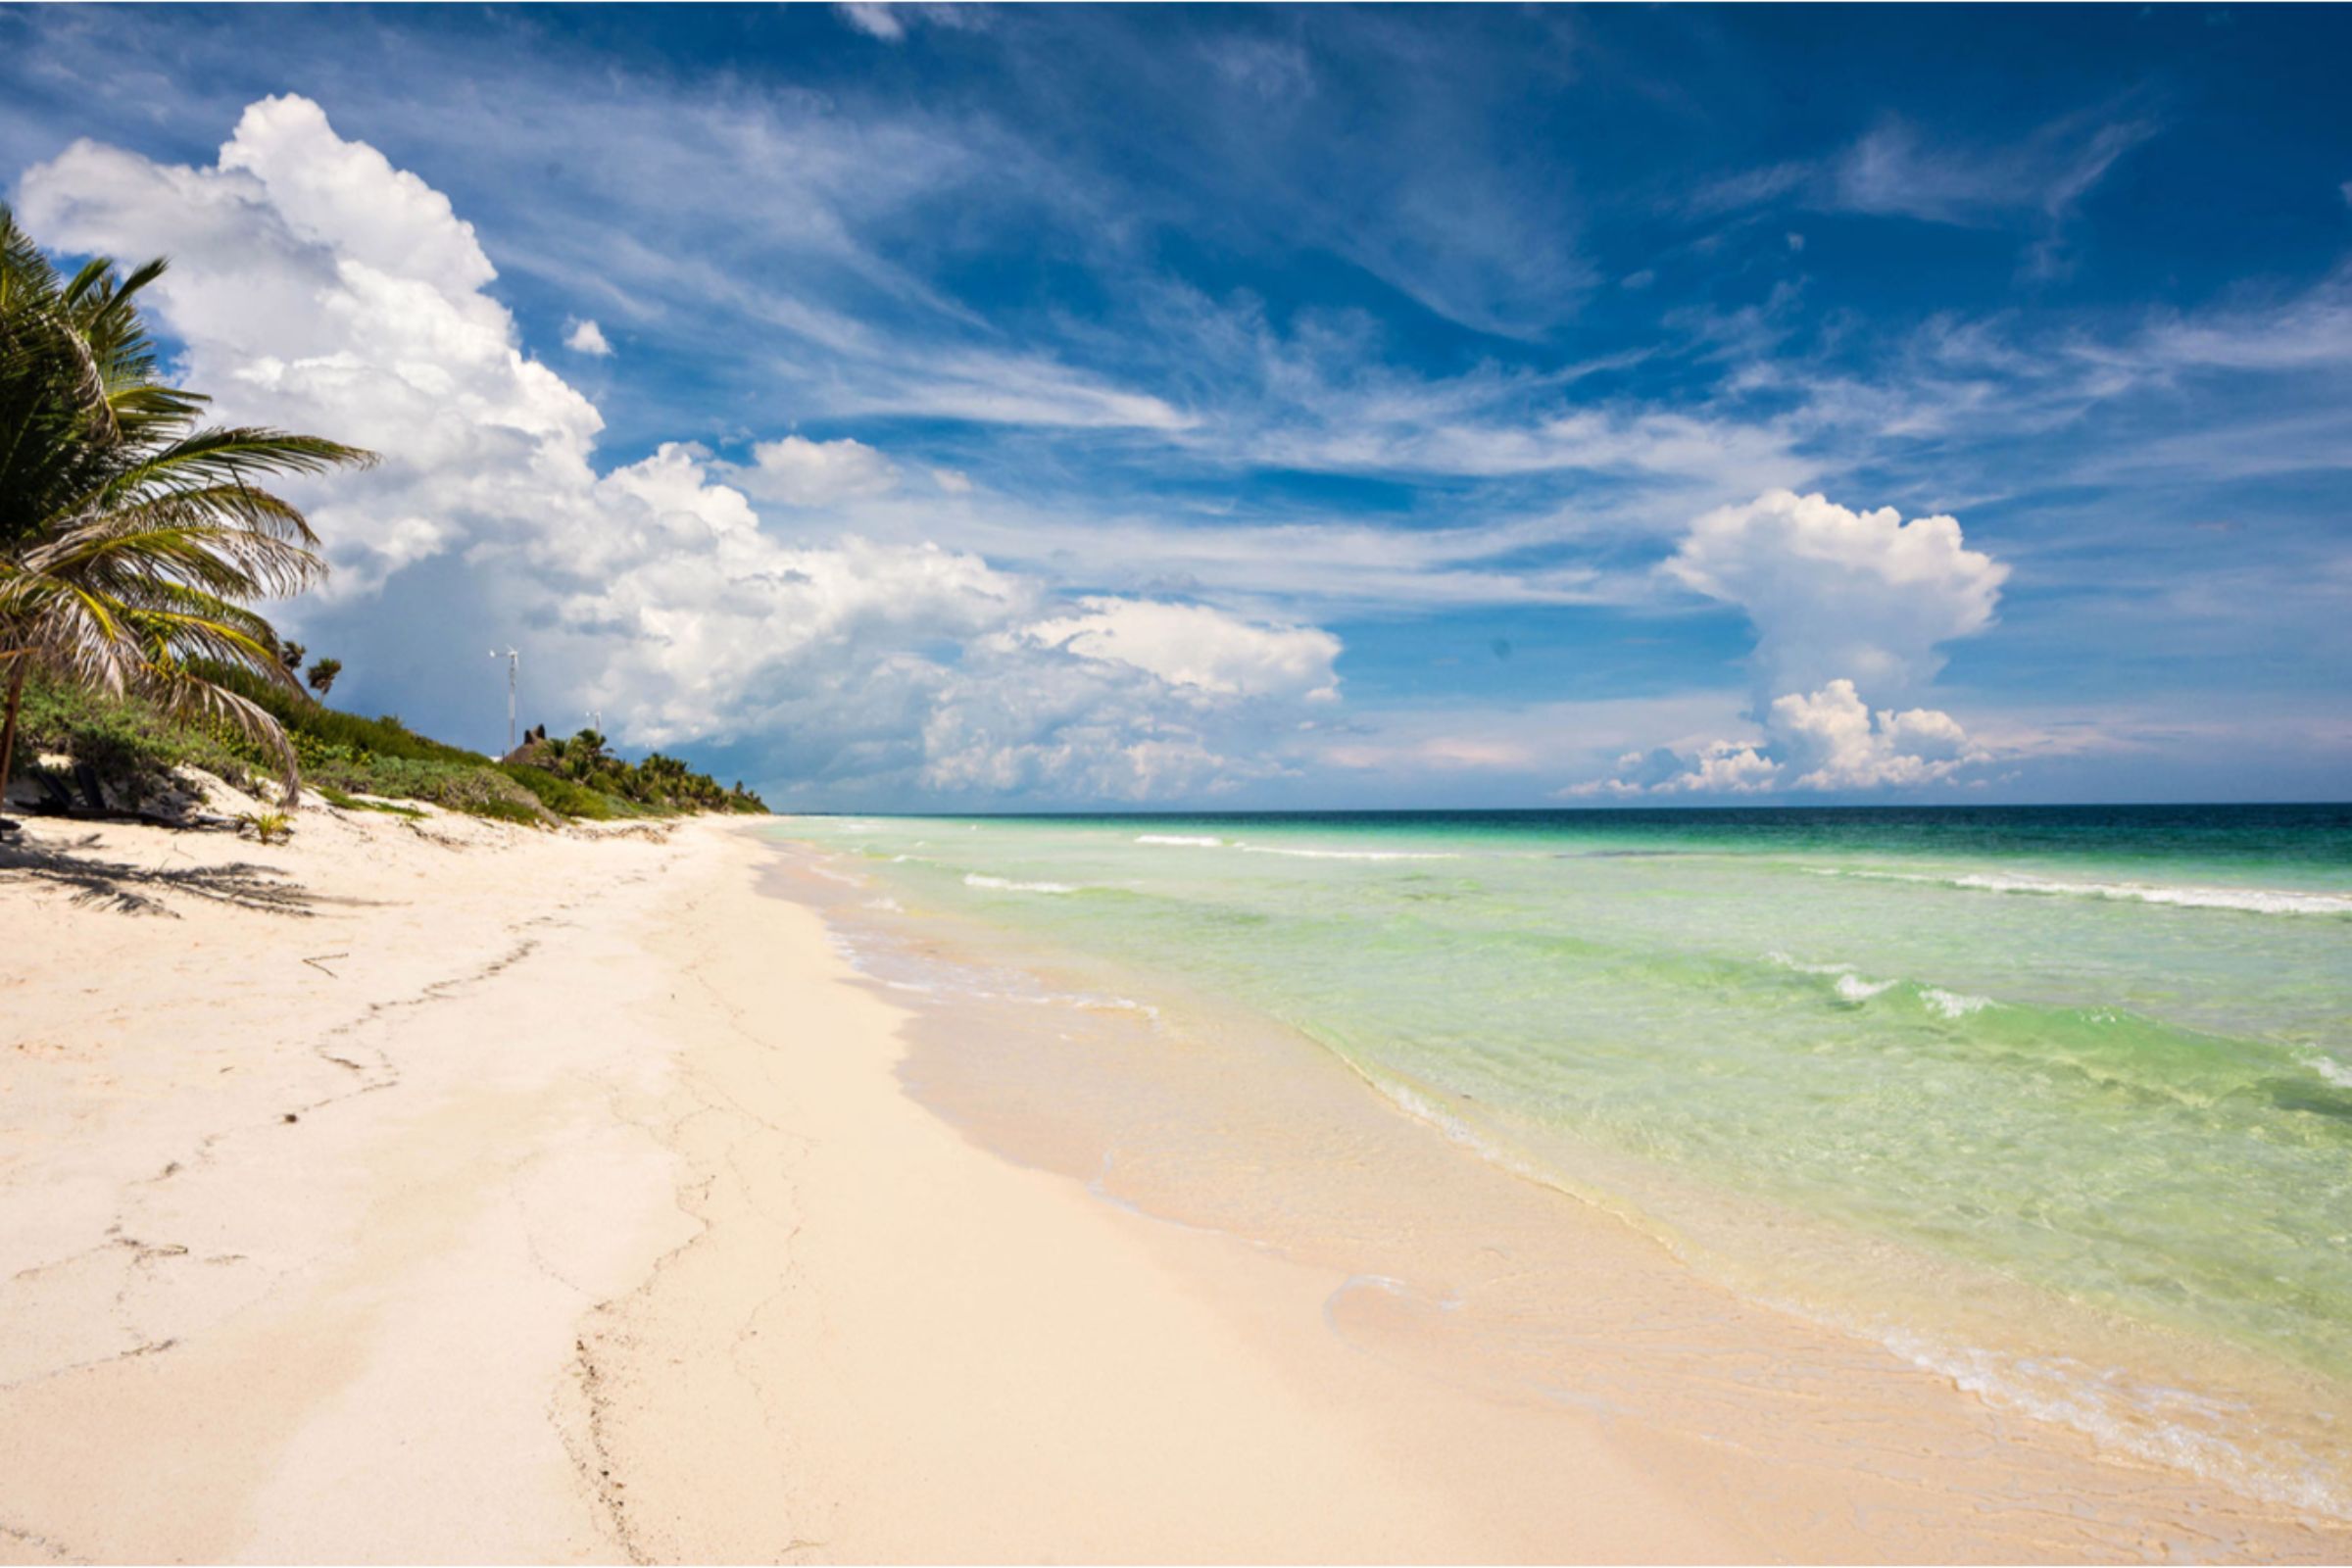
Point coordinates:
[[2101, 1056]]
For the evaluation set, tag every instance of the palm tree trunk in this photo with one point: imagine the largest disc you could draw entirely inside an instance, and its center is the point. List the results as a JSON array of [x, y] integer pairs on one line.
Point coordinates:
[[8, 731]]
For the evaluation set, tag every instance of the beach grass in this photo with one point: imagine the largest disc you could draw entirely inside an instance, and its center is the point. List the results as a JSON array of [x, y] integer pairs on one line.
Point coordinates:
[[351, 803]]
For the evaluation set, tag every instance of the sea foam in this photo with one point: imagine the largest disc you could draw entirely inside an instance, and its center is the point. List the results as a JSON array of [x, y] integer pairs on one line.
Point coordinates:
[[1952, 1003], [1351, 855], [2254, 901], [998, 884], [1854, 988], [2249, 901]]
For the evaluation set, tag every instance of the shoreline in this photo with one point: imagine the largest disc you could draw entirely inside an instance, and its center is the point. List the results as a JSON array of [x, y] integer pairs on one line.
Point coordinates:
[[578, 1209], [1178, 1105]]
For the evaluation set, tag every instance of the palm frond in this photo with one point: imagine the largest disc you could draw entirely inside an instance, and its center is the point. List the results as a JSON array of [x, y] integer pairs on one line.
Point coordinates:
[[186, 695], [71, 631], [232, 455], [204, 540], [132, 542], [24, 273]]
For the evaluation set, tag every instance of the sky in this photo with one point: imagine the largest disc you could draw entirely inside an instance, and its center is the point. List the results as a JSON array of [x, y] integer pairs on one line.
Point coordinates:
[[991, 407]]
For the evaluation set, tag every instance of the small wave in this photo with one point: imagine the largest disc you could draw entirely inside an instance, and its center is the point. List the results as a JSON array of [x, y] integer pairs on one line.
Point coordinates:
[[1005, 885], [1952, 1003], [2172, 1427], [1179, 838], [2250, 900], [1787, 962], [2328, 1067], [2254, 901], [1352, 854], [1854, 988], [1622, 855], [1850, 986]]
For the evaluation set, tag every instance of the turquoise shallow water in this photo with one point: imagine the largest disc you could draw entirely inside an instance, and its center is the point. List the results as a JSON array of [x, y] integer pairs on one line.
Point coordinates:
[[2058, 1099]]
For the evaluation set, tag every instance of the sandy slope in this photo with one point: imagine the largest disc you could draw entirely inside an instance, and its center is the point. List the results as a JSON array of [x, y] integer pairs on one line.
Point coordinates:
[[567, 1206]]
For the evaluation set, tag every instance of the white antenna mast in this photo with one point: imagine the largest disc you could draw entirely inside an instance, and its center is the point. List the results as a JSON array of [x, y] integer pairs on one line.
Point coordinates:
[[513, 668]]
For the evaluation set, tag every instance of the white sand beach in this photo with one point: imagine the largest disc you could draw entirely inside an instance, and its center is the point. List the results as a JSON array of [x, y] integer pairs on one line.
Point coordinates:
[[457, 1192]]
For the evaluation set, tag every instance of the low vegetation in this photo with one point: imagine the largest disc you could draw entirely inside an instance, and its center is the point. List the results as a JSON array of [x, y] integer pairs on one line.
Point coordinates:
[[135, 745], [132, 745], [271, 827], [563, 769], [342, 801]]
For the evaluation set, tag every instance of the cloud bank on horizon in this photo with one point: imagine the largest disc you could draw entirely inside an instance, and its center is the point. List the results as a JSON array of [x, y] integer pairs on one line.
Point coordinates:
[[942, 464]]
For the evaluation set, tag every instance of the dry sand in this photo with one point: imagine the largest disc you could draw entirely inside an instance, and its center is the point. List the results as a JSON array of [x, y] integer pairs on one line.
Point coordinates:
[[454, 1192]]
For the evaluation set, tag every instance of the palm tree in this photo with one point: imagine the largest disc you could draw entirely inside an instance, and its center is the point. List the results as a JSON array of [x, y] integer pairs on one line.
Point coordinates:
[[131, 539]]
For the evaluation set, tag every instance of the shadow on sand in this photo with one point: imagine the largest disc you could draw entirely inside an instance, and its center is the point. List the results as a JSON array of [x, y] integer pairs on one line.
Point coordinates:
[[134, 889]]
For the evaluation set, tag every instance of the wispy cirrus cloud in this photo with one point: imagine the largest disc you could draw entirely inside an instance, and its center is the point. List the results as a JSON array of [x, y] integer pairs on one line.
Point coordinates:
[[2308, 329], [1898, 169], [891, 20], [1895, 169]]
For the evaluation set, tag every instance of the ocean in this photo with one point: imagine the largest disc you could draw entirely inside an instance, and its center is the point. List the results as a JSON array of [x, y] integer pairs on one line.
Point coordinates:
[[2056, 1101]]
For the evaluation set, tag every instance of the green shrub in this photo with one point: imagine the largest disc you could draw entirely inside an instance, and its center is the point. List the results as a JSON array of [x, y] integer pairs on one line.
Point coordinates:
[[129, 743], [564, 796], [330, 726], [660, 785], [476, 788], [346, 752], [527, 812]]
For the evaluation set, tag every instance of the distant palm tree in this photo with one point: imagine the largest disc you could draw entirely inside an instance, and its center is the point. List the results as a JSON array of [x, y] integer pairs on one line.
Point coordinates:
[[322, 676], [131, 540]]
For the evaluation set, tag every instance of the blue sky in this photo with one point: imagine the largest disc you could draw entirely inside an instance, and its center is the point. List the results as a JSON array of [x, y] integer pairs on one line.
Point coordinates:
[[988, 407]]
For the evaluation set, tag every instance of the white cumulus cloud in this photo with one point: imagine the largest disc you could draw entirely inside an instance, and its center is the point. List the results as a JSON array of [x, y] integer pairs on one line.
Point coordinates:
[[1843, 602], [801, 472], [1838, 594], [1198, 649], [318, 287], [1712, 767], [314, 287], [1827, 740], [1837, 743], [586, 337]]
